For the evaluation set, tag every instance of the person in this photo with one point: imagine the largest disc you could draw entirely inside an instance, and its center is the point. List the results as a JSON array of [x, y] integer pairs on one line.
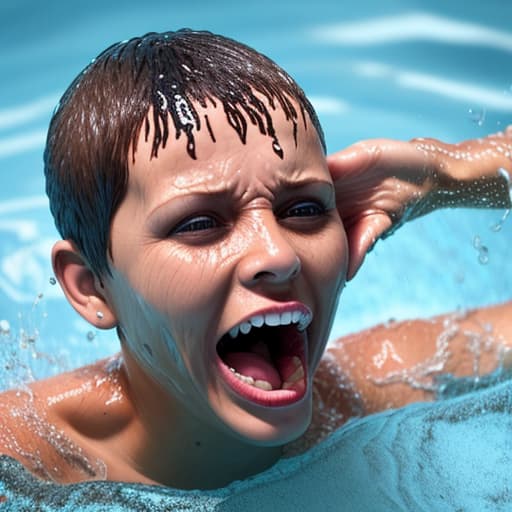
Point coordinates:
[[201, 218]]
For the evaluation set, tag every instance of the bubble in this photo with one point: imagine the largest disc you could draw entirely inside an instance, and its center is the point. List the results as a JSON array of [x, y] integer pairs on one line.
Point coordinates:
[[90, 336], [52, 281]]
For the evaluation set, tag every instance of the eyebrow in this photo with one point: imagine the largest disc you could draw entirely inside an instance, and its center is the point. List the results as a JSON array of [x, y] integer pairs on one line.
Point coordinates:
[[224, 192], [283, 183]]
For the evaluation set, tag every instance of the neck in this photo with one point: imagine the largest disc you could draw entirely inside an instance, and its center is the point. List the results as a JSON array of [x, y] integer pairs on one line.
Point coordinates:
[[173, 447]]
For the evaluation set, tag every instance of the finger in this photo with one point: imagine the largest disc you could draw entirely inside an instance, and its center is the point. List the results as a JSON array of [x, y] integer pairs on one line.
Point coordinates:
[[362, 237], [355, 158]]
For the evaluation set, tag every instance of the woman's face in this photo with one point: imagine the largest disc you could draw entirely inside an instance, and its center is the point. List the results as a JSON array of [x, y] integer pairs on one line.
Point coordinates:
[[226, 273]]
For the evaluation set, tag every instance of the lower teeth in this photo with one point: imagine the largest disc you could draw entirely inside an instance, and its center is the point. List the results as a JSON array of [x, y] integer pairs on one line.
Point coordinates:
[[291, 382], [260, 384]]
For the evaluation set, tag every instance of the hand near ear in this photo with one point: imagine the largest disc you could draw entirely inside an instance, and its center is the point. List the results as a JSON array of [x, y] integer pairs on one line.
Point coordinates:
[[81, 287], [381, 183]]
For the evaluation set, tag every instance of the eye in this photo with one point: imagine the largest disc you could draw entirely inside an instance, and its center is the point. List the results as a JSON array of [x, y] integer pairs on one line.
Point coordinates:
[[304, 209], [196, 224]]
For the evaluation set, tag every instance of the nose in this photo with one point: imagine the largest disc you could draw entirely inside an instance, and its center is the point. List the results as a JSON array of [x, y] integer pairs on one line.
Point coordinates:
[[270, 258]]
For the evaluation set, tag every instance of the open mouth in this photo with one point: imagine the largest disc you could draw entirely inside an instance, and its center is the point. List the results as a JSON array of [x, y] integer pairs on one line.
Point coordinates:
[[264, 358]]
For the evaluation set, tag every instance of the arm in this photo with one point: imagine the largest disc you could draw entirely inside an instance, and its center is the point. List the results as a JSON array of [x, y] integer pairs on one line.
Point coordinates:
[[382, 183], [392, 365]]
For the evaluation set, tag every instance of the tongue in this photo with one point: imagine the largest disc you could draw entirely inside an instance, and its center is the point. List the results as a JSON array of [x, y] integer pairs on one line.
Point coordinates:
[[255, 366]]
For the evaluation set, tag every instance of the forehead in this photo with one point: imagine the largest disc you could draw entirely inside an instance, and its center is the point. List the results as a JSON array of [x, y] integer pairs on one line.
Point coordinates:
[[225, 147]]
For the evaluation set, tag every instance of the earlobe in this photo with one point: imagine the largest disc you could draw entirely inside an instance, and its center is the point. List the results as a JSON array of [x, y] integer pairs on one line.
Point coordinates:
[[81, 286]]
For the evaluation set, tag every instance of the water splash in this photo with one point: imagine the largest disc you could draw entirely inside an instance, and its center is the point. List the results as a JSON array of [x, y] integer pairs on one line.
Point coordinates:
[[426, 374], [22, 364]]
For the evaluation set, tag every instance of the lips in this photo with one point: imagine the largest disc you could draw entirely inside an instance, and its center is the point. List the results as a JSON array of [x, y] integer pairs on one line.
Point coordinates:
[[264, 358]]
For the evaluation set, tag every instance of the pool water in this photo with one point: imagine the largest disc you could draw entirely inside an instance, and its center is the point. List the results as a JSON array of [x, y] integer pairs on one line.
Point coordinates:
[[395, 69]]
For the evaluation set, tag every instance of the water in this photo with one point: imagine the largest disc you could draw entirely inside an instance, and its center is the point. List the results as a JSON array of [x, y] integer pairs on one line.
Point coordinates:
[[373, 69]]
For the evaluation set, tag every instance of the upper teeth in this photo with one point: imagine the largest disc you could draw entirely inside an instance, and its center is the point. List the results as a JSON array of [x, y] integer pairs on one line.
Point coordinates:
[[302, 319]]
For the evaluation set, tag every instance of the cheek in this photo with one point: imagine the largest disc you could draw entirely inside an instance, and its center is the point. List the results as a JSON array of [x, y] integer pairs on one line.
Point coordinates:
[[184, 278], [176, 279], [188, 285], [327, 257]]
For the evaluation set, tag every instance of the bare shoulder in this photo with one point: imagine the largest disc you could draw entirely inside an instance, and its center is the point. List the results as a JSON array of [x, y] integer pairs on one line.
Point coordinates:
[[394, 364], [54, 425]]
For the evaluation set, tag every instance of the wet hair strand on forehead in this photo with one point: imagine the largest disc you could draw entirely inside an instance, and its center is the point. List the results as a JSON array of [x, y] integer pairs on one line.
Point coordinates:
[[95, 129]]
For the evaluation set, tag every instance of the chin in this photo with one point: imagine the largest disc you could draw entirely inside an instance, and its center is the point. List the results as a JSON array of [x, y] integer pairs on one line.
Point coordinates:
[[268, 426]]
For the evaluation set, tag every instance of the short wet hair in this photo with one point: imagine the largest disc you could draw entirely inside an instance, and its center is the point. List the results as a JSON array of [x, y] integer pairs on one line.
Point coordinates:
[[95, 127]]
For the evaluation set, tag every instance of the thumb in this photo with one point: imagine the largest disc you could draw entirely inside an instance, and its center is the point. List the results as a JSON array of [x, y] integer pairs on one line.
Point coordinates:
[[361, 238]]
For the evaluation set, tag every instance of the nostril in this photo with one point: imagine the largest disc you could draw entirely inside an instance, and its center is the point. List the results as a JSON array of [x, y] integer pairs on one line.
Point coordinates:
[[262, 275], [283, 273]]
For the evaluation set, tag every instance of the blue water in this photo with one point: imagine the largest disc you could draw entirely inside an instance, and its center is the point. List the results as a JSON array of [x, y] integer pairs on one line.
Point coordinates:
[[373, 69]]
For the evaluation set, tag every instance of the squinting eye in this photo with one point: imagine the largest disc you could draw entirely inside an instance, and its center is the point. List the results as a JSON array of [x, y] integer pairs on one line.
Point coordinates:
[[305, 209], [200, 223]]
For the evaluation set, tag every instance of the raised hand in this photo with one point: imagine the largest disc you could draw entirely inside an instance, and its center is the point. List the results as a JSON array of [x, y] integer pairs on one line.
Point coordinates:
[[382, 183]]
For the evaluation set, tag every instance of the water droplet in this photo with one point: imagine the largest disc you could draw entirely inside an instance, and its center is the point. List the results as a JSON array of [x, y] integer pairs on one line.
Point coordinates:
[[163, 100], [477, 115], [5, 327], [483, 255], [483, 251], [278, 150], [497, 227], [504, 173]]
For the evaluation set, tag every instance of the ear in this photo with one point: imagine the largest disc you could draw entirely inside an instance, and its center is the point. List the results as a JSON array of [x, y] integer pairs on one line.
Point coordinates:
[[81, 287]]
